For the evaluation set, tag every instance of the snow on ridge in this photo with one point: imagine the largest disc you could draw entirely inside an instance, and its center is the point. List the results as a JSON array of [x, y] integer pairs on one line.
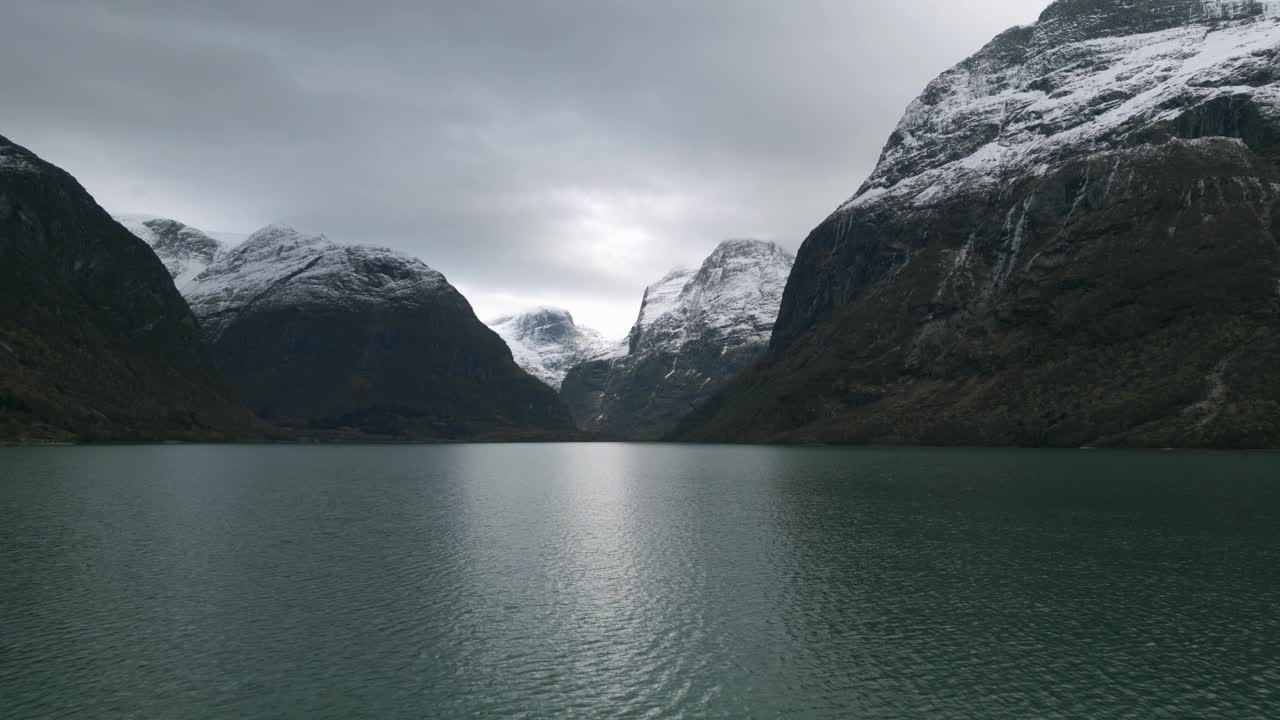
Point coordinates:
[[278, 266], [280, 238], [16, 160], [137, 224], [536, 312], [185, 251], [732, 298], [737, 292], [663, 296], [1067, 99]]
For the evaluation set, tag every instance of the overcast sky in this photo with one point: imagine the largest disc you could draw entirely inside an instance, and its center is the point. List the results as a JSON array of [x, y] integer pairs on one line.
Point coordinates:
[[562, 152]]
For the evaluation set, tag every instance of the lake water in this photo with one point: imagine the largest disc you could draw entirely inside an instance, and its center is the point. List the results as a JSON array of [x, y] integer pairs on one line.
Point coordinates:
[[637, 581]]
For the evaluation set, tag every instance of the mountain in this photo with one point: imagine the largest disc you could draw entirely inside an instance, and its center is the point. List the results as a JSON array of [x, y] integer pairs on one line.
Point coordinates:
[[1070, 239], [696, 330], [347, 342], [95, 342], [546, 342], [185, 251]]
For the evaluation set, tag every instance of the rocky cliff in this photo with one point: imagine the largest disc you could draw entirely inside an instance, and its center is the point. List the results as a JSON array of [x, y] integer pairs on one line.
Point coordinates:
[[95, 341], [1070, 239]]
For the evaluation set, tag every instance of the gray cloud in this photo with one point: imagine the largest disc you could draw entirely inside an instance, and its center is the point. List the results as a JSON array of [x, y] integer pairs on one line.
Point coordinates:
[[552, 151]]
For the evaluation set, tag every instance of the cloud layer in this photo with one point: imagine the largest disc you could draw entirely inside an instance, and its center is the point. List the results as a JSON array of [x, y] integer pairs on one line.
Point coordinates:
[[563, 152]]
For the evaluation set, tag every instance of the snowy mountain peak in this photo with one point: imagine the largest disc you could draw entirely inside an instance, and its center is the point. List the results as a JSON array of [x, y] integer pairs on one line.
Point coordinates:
[[732, 258], [662, 297], [743, 246], [279, 266], [734, 297], [1092, 75], [548, 324], [546, 342], [185, 251], [538, 319]]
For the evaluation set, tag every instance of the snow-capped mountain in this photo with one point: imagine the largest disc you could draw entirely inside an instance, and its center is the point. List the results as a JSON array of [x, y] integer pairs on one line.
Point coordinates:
[[1090, 76], [546, 342], [184, 250], [659, 301], [1068, 240], [280, 267], [330, 338], [732, 300], [696, 329]]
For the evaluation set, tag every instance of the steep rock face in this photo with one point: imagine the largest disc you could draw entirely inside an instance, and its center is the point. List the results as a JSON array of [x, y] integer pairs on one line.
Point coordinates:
[[696, 330], [95, 342], [353, 341], [1070, 239], [546, 342], [185, 251]]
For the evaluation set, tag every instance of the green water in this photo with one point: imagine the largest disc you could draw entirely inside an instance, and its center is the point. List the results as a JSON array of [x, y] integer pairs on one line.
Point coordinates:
[[593, 581]]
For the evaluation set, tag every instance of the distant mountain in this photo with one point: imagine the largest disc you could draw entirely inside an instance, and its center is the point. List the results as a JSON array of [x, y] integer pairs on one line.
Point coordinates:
[[547, 343], [95, 342], [345, 341], [1070, 239], [185, 251], [696, 330]]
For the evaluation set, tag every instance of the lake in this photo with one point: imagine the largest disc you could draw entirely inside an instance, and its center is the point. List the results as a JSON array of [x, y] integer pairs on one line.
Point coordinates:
[[637, 581]]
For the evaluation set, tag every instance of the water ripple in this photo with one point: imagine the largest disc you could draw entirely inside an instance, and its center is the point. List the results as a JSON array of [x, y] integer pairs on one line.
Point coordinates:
[[637, 582]]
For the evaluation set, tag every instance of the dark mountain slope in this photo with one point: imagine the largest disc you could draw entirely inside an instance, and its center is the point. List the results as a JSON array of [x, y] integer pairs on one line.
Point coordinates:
[[95, 342]]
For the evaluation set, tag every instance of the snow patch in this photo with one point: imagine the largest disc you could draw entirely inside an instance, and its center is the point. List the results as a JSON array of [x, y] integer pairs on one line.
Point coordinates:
[[1215, 398], [11, 161]]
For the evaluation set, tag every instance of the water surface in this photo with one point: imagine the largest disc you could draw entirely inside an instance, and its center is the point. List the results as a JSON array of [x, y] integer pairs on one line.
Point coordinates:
[[637, 581]]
